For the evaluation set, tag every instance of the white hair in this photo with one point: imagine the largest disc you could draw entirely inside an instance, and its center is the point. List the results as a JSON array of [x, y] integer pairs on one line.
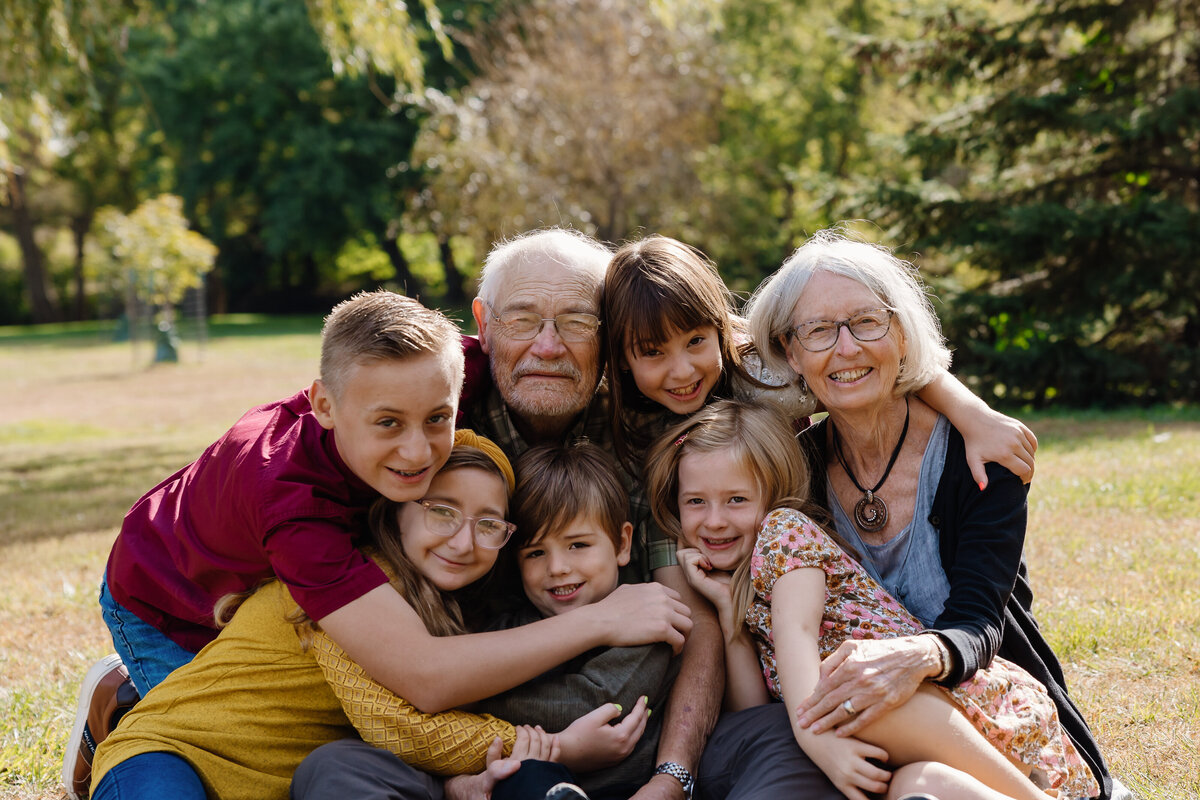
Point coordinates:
[[571, 248], [894, 281]]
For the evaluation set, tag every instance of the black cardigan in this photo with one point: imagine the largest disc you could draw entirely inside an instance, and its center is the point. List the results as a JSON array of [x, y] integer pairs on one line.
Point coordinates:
[[989, 610]]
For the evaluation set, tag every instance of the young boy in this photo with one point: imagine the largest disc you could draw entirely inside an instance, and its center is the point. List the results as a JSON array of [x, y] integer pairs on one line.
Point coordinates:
[[281, 494], [573, 536]]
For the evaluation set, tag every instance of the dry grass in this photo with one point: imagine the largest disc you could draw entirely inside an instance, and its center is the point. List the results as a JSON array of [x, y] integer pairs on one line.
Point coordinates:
[[1114, 546]]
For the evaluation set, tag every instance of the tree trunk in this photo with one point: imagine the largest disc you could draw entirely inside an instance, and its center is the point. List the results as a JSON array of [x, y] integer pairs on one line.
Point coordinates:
[[391, 246], [80, 225], [456, 295], [33, 265]]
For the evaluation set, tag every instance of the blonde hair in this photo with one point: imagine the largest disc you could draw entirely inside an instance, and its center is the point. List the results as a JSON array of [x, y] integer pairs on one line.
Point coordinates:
[[382, 325], [894, 281], [760, 438], [437, 609]]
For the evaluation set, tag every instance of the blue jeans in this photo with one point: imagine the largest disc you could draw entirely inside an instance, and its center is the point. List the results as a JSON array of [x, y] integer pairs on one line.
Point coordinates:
[[151, 776], [149, 655]]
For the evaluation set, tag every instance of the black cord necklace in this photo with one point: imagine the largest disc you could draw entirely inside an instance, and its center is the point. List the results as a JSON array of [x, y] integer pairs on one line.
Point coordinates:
[[870, 512]]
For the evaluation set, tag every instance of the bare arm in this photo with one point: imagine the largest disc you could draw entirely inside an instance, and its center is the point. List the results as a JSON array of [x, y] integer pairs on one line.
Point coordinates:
[[383, 634], [744, 686], [695, 699], [798, 599], [989, 435]]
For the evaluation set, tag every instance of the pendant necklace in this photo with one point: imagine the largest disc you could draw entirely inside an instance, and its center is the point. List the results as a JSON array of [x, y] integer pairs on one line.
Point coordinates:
[[870, 512]]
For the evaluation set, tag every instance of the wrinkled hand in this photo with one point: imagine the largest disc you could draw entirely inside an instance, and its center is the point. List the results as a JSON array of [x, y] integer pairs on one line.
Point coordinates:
[[844, 762], [1001, 440], [480, 787], [590, 742], [875, 675], [642, 613]]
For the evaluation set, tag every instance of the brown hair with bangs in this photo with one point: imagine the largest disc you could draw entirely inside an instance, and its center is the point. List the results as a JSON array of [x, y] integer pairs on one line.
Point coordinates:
[[653, 288], [557, 484]]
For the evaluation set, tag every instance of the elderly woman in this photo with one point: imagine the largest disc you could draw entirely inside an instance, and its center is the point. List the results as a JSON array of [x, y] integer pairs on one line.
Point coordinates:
[[853, 322]]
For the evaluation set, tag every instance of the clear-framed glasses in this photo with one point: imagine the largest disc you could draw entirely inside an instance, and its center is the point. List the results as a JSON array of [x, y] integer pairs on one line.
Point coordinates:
[[444, 520], [822, 334], [526, 325]]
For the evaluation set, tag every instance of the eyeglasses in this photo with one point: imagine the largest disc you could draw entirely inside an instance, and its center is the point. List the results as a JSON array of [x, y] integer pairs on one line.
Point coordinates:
[[526, 325], [822, 334], [444, 520]]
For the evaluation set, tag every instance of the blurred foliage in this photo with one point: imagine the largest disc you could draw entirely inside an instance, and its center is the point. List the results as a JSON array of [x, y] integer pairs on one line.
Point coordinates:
[[588, 113], [1061, 196], [1041, 158], [151, 250]]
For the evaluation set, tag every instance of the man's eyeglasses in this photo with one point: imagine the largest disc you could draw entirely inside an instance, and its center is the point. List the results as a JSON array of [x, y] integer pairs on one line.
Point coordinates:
[[526, 325], [444, 520], [822, 334]]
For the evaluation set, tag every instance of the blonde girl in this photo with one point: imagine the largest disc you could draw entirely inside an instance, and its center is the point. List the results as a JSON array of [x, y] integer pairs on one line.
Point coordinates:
[[674, 343], [727, 485]]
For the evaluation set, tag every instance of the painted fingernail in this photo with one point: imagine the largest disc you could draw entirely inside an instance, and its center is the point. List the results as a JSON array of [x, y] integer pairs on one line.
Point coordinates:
[[618, 705], [982, 486]]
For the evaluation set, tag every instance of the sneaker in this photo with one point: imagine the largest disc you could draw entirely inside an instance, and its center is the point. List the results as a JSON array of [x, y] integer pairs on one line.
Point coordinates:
[[566, 791], [106, 695]]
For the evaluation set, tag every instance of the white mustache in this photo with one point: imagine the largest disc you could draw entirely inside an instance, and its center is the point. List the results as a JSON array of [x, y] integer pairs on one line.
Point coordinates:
[[537, 365]]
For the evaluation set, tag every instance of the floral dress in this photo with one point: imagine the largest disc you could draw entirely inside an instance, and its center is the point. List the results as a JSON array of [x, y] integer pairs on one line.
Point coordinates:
[[1004, 702]]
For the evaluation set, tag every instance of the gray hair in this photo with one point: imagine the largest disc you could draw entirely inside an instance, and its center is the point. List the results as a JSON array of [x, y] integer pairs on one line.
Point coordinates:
[[562, 245], [894, 281]]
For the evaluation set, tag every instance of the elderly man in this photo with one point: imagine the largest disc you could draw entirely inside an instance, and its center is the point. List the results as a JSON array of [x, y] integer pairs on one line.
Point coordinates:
[[536, 314]]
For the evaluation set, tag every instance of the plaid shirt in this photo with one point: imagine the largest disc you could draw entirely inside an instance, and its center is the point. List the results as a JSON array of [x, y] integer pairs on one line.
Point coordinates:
[[652, 549]]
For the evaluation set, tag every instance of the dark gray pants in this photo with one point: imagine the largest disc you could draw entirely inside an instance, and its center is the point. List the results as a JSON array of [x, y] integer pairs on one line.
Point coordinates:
[[351, 769], [752, 755]]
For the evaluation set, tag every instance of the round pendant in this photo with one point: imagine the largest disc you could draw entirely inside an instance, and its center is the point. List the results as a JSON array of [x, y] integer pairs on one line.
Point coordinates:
[[870, 513]]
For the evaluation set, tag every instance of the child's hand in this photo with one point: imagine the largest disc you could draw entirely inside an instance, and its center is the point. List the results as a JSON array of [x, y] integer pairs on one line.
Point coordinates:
[[590, 742], [642, 613], [533, 742], [698, 571], [480, 786], [844, 762], [1002, 440]]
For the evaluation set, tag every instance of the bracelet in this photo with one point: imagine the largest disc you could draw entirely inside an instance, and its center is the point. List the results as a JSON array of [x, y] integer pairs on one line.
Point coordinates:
[[943, 659]]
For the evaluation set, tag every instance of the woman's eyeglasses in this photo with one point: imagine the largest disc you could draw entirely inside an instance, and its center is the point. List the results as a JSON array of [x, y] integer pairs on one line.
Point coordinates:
[[822, 334], [447, 520]]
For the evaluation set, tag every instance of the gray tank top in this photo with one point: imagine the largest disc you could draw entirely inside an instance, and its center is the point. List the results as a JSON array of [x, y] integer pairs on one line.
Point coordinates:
[[909, 566]]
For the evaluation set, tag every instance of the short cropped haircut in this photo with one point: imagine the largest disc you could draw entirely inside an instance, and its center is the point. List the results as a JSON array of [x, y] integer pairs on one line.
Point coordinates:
[[894, 281], [381, 325], [561, 245], [557, 484]]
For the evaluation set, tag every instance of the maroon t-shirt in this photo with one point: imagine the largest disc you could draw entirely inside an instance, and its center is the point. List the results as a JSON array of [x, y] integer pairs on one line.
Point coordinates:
[[270, 497]]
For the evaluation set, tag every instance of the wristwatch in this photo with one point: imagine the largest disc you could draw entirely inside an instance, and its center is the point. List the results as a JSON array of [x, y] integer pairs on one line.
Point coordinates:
[[680, 773]]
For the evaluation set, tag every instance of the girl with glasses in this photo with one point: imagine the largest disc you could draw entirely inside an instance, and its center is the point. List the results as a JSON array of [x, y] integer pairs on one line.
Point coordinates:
[[239, 719]]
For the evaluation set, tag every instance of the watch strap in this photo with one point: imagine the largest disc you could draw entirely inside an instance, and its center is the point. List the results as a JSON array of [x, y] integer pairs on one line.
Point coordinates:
[[679, 773]]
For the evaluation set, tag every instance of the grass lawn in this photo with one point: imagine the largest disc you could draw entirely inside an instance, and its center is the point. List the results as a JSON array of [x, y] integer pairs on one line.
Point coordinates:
[[87, 426]]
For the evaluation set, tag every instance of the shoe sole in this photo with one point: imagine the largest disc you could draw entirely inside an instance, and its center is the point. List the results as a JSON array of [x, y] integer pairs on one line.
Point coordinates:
[[75, 743]]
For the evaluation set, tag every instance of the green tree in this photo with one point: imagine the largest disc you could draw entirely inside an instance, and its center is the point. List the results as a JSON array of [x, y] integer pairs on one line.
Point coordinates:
[[1060, 196]]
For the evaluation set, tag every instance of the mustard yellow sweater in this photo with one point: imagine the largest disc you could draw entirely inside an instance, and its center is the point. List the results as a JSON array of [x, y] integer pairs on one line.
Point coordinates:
[[253, 704]]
